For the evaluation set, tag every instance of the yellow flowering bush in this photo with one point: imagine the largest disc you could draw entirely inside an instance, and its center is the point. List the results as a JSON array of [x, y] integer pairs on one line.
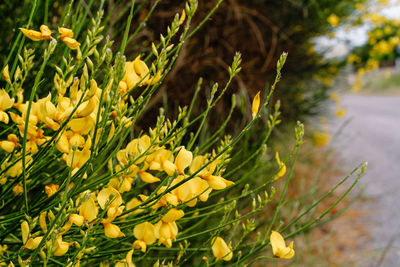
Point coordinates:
[[381, 48], [80, 184]]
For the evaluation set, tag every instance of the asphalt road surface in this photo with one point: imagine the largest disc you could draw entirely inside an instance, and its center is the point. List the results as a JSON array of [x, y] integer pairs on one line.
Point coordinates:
[[373, 134]]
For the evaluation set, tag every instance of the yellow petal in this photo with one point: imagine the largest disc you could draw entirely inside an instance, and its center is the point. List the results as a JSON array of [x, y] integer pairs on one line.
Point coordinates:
[[76, 140], [31, 34], [197, 163], [182, 18], [141, 68], [51, 189], [82, 125], [172, 215], [76, 219], [65, 32], [93, 88], [6, 74], [134, 202], [256, 105], [86, 108], [6, 101], [24, 231], [4, 117], [128, 258], [155, 79], [138, 244], [145, 232], [131, 78], [62, 247], [45, 31], [33, 243], [183, 160], [109, 193], [277, 242], [42, 221], [71, 43], [216, 182], [148, 178], [7, 146], [112, 231], [169, 167], [89, 210], [202, 188], [221, 250], [288, 252]]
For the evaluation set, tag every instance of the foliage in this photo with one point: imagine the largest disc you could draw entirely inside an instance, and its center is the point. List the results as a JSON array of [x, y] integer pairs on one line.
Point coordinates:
[[382, 45]]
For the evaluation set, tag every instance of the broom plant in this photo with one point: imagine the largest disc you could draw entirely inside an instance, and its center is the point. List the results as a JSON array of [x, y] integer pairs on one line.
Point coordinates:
[[80, 184]]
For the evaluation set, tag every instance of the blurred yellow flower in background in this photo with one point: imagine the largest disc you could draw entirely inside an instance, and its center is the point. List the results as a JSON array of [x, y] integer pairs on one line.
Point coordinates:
[[333, 20], [340, 112], [320, 139]]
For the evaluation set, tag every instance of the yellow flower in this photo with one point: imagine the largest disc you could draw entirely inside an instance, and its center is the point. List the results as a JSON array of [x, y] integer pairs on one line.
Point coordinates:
[[214, 181], [10, 144], [122, 186], [162, 159], [137, 71], [6, 102], [16, 168], [256, 104], [167, 232], [51, 189], [188, 191], [78, 158], [146, 234], [320, 139], [73, 219], [333, 20], [340, 112], [66, 36], [279, 247], [44, 34], [221, 250], [18, 189], [107, 194], [62, 247], [282, 167]]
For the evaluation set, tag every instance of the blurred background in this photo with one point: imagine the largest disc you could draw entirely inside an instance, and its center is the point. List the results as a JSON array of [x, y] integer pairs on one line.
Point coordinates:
[[342, 78]]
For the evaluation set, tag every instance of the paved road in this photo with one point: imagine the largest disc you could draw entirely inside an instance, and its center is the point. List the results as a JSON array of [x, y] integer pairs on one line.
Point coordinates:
[[373, 134]]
